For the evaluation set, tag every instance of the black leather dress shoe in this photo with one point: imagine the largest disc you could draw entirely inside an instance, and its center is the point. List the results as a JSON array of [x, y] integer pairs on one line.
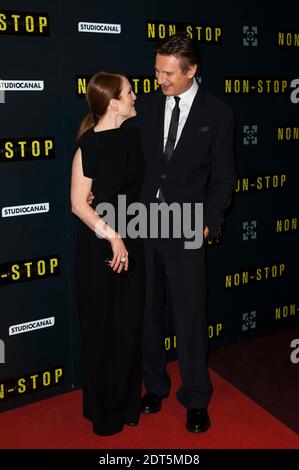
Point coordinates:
[[131, 423], [151, 403], [198, 420]]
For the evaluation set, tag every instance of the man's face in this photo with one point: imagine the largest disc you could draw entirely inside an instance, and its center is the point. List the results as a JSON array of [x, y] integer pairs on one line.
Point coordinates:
[[170, 77]]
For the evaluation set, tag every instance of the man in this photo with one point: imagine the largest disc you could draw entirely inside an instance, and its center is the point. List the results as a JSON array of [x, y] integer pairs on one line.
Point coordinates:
[[187, 137]]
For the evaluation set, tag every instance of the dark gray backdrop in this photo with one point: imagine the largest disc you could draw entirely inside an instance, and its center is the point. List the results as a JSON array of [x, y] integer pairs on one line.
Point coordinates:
[[41, 362]]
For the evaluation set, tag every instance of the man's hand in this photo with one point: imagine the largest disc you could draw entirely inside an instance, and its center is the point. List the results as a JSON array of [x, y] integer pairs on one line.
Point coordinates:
[[206, 232], [90, 198]]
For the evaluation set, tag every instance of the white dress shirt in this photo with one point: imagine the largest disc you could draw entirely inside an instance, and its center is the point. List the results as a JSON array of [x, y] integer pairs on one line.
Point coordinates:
[[185, 104]]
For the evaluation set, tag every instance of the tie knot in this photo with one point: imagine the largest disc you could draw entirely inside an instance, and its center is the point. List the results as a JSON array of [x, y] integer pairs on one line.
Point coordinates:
[[177, 99]]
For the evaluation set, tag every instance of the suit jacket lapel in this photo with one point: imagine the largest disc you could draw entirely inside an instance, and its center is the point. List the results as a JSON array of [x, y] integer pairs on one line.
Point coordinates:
[[191, 124], [159, 123]]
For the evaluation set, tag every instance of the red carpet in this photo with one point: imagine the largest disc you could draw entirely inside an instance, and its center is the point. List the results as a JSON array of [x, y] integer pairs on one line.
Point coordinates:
[[261, 369], [237, 423]]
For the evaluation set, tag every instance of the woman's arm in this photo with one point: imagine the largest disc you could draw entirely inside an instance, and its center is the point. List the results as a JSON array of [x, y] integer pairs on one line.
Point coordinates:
[[80, 189]]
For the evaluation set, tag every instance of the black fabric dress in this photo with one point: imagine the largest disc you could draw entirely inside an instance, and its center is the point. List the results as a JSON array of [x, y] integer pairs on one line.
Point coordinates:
[[110, 306]]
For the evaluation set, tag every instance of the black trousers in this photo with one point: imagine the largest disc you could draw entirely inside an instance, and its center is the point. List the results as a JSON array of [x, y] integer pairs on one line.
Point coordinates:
[[184, 270]]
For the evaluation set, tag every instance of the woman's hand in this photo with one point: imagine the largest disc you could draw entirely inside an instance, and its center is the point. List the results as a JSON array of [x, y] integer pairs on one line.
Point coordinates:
[[119, 253]]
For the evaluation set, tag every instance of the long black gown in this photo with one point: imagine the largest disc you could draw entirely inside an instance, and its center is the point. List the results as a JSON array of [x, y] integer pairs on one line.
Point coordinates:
[[110, 306]]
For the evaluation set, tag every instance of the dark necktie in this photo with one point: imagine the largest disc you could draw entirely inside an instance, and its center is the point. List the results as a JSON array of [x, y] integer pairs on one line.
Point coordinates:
[[173, 129]]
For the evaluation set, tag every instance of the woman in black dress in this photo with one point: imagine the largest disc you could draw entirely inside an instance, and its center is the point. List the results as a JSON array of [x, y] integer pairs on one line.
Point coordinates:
[[108, 161]]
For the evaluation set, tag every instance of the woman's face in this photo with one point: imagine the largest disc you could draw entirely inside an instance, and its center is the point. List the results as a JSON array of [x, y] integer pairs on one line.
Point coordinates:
[[126, 100]]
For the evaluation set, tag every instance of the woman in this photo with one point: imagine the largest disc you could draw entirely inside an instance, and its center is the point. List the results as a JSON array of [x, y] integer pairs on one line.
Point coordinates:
[[109, 161]]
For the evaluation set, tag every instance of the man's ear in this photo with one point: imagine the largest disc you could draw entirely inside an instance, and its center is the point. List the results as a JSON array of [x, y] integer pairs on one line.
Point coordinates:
[[192, 71]]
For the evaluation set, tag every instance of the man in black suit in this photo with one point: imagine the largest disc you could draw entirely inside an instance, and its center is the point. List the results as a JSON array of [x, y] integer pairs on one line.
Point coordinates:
[[187, 137]]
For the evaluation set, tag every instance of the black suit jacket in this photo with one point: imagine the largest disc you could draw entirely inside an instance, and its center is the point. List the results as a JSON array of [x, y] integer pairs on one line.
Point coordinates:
[[202, 167]]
